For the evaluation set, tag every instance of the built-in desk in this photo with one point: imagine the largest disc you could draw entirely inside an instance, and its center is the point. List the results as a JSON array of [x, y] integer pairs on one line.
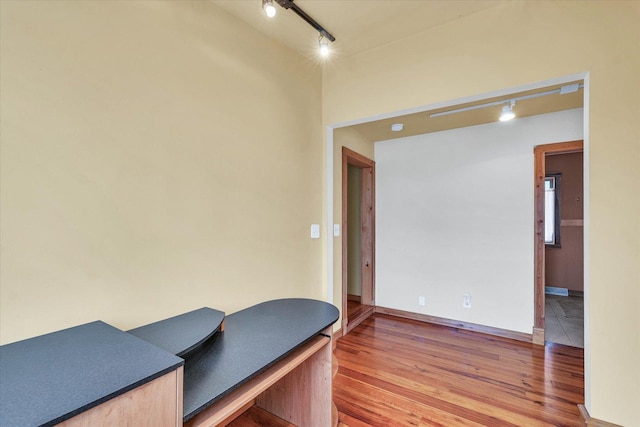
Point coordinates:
[[88, 375], [276, 355]]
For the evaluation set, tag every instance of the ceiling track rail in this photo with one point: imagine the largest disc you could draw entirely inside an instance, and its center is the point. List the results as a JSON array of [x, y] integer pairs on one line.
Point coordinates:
[[563, 90], [289, 4]]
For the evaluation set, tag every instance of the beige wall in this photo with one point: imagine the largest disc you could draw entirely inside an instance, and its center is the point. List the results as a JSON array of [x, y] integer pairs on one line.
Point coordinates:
[[157, 157], [355, 141], [518, 43]]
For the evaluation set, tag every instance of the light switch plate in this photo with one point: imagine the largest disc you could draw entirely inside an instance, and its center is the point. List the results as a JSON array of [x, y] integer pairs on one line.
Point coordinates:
[[336, 230], [315, 231]]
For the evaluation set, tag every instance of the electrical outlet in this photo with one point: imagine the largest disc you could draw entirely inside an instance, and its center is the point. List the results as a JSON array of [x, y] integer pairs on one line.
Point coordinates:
[[466, 301], [421, 301]]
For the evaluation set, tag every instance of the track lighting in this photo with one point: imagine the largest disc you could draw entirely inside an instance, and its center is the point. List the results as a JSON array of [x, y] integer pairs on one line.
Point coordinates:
[[269, 8], [324, 46], [325, 36], [507, 112]]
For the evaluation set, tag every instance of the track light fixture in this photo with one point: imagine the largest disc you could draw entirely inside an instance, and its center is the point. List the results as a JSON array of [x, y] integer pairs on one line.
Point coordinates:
[[324, 46], [507, 112], [325, 36], [269, 8]]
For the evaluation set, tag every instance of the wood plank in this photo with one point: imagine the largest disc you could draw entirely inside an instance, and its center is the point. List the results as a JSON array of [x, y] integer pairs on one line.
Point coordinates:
[[228, 407], [334, 339], [258, 417], [238, 413], [520, 336], [355, 309], [354, 298], [367, 224], [345, 230], [572, 223], [562, 147], [593, 422], [357, 313], [350, 157], [180, 394], [538, 256], [396, 371], [403, 339], [303, 396]]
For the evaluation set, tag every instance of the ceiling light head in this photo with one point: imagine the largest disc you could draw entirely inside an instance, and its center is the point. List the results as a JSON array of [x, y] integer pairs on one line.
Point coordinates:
[[269, 8], [397, 127], [323, 43], [507, 112], [324, 46]]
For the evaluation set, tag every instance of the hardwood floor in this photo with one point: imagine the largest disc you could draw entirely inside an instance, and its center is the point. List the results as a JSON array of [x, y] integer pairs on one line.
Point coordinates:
[[399, 372], [355, 309]]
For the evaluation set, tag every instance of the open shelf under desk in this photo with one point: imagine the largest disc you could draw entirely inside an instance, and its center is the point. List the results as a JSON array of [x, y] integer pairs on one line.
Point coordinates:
[[258, 417], [296, 389]]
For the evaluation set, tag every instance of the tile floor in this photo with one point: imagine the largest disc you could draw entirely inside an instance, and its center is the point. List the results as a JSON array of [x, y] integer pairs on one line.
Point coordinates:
[[564, 320]]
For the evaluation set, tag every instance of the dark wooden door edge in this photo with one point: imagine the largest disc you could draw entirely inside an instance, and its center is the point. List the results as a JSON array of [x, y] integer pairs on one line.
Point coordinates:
[[350, 157]]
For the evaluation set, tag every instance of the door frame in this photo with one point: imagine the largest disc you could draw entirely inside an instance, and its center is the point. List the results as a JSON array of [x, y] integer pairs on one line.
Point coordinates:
[[367, 220], [540, 153]]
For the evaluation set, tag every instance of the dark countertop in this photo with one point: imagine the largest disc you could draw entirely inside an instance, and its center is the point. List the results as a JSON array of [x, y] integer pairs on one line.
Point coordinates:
[[51, 378], [253, 340], [182, 334]]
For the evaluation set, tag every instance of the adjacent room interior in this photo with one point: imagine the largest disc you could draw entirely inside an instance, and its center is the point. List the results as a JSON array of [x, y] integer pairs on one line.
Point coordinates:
[[564, 254]]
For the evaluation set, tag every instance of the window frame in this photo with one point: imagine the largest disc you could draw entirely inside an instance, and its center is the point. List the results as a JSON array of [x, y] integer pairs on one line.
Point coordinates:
[[556, 217]]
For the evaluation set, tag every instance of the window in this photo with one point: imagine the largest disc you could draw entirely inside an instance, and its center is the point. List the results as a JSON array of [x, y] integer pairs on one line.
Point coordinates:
[[552, 210]]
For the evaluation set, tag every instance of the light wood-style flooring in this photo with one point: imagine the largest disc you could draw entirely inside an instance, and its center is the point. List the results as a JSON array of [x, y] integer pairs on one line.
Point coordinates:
[[398, 372]]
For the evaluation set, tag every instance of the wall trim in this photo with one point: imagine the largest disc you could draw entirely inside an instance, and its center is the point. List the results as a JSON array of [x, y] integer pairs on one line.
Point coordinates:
[[355, 298], [537, 337], [334, 338], [489, 330], [593, 422]]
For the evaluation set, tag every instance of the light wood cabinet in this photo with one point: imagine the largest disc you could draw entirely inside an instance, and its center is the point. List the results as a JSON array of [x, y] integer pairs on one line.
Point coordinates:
[[156, 403]]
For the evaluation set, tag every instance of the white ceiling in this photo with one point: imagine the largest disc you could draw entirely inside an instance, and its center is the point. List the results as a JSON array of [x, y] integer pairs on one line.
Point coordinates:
[[357, 25]]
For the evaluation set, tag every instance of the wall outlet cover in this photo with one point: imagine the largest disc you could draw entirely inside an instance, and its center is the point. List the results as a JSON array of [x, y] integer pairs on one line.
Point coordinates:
[[466, 301]]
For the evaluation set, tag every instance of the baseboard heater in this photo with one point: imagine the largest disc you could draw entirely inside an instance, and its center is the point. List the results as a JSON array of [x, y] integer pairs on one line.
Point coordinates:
[[551, 290]]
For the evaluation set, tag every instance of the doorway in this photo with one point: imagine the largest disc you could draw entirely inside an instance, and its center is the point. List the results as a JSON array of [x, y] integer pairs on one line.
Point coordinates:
[[559, 256], [358, 238]]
